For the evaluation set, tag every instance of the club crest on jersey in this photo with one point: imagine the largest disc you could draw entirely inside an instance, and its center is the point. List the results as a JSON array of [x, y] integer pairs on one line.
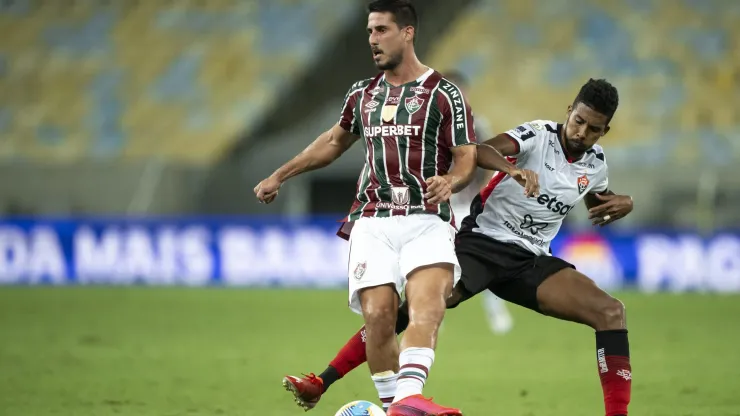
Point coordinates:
[[400, 195], [582, 184], [360, 270], [413, 104]]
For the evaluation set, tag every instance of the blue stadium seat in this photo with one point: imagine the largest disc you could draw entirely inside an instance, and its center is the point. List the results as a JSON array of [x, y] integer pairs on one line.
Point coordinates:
[[177, 80], [673, 63]]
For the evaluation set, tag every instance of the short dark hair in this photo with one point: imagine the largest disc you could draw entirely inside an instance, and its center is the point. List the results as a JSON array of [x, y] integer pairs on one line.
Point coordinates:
[[404, 13], [600, 95]]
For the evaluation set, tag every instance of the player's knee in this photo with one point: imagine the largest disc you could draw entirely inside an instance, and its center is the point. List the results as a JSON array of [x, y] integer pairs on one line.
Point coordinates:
[[380, 322], [611, 315]]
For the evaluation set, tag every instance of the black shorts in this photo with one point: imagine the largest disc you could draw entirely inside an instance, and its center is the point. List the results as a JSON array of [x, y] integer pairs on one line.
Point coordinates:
[[508, 270]]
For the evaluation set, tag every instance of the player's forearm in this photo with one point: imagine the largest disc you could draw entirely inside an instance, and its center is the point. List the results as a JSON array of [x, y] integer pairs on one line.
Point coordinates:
[[592, 201], [490, 158], [461, 174], [322, 152]]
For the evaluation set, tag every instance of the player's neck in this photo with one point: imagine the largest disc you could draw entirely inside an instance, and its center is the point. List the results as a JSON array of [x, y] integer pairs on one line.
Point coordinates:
[[409, 70]]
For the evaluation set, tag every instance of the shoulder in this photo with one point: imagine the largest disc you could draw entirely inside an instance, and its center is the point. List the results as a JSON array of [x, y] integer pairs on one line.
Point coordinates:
[[535, 128], [543, 127], [597, 153], [363, 84], [448, 89]]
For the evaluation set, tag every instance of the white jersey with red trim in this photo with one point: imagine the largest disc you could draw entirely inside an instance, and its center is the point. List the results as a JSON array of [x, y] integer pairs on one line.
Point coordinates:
[[509, 216]]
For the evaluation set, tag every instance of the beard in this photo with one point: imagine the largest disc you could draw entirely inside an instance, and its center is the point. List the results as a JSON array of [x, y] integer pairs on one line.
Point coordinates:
[[574, 147], [391, 64]]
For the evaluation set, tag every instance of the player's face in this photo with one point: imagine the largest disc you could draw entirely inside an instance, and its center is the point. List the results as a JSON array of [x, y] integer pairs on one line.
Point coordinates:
[[583, 128], [387, 40]]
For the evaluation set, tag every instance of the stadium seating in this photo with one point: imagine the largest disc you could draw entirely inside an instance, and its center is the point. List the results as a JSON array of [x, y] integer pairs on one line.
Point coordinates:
[[178, 79], [676, 64]]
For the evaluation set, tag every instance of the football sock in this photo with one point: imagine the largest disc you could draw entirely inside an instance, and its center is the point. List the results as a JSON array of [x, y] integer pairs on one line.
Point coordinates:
[[385, 383], [353, 353], [415, 364], [329, 376], [613, 358], [348, 358]]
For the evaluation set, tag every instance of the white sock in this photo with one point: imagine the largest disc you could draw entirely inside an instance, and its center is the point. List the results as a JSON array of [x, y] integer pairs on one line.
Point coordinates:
[[497, 313], [494, 305], [415, 364], [385, 383]]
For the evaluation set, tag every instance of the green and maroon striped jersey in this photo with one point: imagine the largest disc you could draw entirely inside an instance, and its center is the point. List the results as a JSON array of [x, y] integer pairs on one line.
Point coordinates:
[[408, 131]]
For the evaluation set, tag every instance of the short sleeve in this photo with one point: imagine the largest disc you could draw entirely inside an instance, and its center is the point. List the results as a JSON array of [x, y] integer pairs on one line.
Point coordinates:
[[347, 117], [458, 126], [603, 183], [525, 136]]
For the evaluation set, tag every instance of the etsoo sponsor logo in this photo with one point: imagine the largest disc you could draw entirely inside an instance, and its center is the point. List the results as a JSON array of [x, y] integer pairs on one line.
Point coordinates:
[[392, 130], [552, 203]]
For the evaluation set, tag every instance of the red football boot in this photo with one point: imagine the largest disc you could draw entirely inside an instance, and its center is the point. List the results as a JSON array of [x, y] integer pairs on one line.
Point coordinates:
[[418, 405], [306, 390]]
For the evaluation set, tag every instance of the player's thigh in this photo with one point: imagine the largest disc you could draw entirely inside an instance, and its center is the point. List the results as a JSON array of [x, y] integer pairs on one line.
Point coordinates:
[[528, 276], [570, 295], [373, 262], [477, 273], [428, 250], [427, 289]]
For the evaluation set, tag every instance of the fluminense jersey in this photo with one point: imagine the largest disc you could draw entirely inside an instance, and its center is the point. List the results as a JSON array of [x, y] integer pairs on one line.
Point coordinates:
[[408, 132], [509, 216]]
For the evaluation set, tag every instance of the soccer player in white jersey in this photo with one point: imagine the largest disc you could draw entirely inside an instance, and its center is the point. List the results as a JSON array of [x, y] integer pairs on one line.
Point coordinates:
[[499, 318], [504, 245]]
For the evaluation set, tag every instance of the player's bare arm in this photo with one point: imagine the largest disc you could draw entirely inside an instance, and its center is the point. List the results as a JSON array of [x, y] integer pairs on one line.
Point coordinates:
[[491, 156], [440, 188], [607, 207], [323, 151]]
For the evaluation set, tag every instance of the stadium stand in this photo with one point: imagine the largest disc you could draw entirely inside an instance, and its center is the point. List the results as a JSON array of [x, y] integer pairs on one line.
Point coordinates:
[[134, 79], [677, 66]]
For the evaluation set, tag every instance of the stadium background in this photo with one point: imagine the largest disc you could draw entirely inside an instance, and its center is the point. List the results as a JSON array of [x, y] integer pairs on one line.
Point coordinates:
[[132, 134]]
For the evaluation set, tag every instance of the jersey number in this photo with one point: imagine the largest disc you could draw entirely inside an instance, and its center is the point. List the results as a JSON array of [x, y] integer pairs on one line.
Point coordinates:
[[526, 136]]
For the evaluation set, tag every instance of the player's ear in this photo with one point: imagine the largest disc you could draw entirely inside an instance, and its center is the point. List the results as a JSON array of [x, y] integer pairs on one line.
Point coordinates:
[[567, 113], [409, 33], [606, 130]]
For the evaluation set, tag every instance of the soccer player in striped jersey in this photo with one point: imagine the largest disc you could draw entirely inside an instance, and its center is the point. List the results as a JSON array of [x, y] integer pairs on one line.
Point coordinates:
[[414, 124], [504, 244]]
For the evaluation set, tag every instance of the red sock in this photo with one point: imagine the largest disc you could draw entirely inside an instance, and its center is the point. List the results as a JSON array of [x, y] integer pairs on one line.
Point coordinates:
[[351, 355], [613, 359]]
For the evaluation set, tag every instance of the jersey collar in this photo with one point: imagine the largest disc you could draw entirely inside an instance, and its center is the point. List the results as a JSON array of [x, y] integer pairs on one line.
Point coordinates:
[[417, 81]]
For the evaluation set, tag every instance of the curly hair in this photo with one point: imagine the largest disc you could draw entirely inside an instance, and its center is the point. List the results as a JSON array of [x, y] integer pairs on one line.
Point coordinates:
[[600, 95]]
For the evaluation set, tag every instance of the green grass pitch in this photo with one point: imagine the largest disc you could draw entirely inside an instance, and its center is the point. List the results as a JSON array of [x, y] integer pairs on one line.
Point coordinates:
[[176, 351]]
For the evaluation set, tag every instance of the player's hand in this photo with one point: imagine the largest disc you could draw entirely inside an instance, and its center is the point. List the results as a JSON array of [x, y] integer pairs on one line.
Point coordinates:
[[267, 190], [614, 207], [439, 189], [528, 179]]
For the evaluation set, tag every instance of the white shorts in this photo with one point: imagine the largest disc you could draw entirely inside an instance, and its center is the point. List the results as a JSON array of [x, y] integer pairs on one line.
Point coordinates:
[[387, 250]]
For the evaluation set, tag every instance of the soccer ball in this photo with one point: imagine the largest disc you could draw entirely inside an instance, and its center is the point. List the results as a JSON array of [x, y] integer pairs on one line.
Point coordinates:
[[360, 408]]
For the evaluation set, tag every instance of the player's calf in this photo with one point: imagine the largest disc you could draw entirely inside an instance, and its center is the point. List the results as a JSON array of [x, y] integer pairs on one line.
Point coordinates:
[[427, 290], [379, 309], [572, 296]]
